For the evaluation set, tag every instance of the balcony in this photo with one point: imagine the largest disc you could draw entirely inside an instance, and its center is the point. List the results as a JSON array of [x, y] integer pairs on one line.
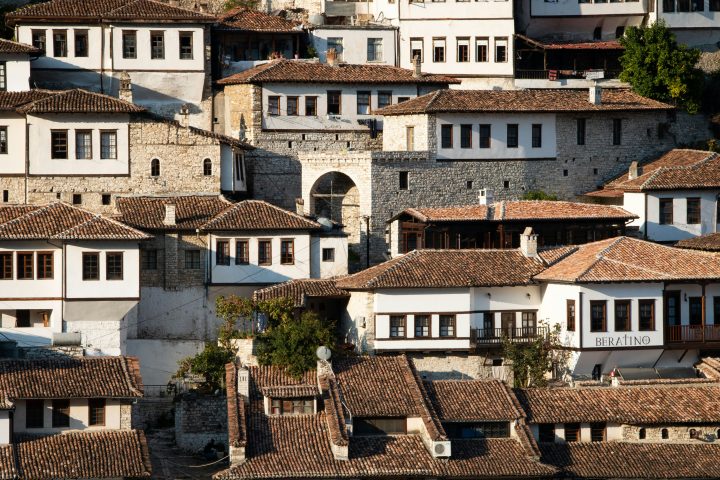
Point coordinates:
[[484, 337], [693, 334]]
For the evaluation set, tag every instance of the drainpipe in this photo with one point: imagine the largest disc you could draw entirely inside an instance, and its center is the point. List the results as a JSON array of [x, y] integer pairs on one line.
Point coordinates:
[[367, 241], [645, 222], [579, 323], [27, 158]]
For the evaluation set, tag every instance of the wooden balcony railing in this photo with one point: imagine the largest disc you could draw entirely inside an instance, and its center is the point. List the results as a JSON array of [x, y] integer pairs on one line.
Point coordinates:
[[490, 336], [558, 74], [693, 333]]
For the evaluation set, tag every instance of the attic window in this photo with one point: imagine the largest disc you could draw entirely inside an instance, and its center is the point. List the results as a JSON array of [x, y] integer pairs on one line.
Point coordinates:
[[379, 426], [292, 406], [477, 429]]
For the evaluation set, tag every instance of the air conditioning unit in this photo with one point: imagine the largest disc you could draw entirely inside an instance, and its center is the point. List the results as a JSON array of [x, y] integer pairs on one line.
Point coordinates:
[[441, 449]]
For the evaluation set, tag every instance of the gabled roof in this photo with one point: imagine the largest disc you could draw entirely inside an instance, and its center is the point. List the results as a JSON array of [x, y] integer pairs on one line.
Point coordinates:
[[625, 259], [473, 401], [71, 377], [78, 101], [299, 290], [99, 11], [572, 45], [61, 221], [11, 101], [447, 269], [247, 20], [191, 211], [8, 46], [709, 243], [258, 215], [301, 71], [541, 100]]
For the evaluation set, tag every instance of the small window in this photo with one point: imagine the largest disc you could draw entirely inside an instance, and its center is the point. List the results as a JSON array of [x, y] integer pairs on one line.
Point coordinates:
[[384, 99], [242, 252], [192, 259], [664, 434], [287, 252], [501, 50], [3, 140], [581, 123], [222, 252], [38, 40], [59, 43], [597, 432], [666, 211], [404, 180], [328, 254], [22, 319], [416, 48], [546, 432], [96, 414], [512, 135], [59, 144], [45, 265], [291, 106], [506, 184], [148, 259], [155, 167], [446, 136], [264, 252], [622, 316], [482, 45], [410, 139], [294, 406], [83, 144], [91, 266], [114, 266], [273, 105], [463, 50], [572, 432], [363, 103], [397, 326], [447, 325], [469, 184], [374, 50], [438, 50], [81, 43], [646, 317], [108, 145], [77, 199], [379, 426], [34, 413], [25, 266], [207, 167], [310, 106], [422, 325], [6, 266], [157, 45], [617, 131], [537, 135], [129, 44], [334, 102], [598, 316], [484, 136], [693, 211], [465, 136], [570, 321], [186, 45], [642, 434], [60, 413]]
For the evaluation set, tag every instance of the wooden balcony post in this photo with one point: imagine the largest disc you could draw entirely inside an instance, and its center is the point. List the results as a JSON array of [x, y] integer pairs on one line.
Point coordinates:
[[702, 302]]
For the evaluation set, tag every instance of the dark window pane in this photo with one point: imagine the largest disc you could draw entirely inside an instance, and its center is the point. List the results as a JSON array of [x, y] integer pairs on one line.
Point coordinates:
[[96, 408], [264, 252], [34, 413], [512, 135], [60, 413], [222, 252], [91, 266]]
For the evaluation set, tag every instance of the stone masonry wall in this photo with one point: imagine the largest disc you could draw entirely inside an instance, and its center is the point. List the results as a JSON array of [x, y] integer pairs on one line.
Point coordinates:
[[199, 419], [676, 433]]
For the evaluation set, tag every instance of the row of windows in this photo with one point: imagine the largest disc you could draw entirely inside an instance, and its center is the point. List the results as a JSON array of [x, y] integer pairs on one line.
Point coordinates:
[[546, 432], [692, 211], [485, 135], [149, 259], [670, 6], [35, 413], [292, 406], [3, 76], [60, 42], [264, 248], [422, 326], [364, 103], [623, 315], [83, 144], [40, 266], [463, 53], [374, 48]]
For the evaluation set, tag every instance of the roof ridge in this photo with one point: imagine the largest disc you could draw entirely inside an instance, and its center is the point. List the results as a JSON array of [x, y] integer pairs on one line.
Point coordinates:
[[432, 100], [35, 211], [400, 261], [598, 257]]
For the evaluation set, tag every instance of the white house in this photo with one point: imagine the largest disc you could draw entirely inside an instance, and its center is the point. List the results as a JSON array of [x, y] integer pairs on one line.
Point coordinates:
[[67, 271], [15, 65], [371, 43], [694, 22]]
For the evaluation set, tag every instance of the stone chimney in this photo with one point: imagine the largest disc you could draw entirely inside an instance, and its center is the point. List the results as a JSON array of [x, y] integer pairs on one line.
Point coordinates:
[[417, 73], [185, 116], [300, 206], [528, 243], [633, 171], [169, 214], [331, 57], [125, 90], [595, 95], [485, 197]]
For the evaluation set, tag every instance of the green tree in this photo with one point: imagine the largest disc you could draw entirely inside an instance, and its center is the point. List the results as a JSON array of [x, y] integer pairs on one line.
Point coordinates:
[[658, 67], [538, 195], [246, 4], [531, 362], [210, 363]]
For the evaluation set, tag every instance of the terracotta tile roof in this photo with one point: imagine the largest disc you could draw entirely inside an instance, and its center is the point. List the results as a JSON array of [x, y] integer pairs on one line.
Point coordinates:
[[267, 378], [634, 405], [473, 400], [625, 259], [300, 71], [61, 221], [8, 46], [301, 289], [573, 45], [191, 211], [258, 215], [710, 367], [517, 210], [79, 101], [542, 100], [86, 377], [634, 460], [254, 21], [552, 255], [237, 432], [11, 101], [709, 242], [100, 454], [99, 11], [334, 411], [8, 463], [447, 269]]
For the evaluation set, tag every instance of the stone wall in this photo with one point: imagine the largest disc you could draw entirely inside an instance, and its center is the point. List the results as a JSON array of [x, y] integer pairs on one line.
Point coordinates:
[[38, 353], [460, 366], [152, 412], [171, 272], [199, 419], [126, 410], [676, 433]]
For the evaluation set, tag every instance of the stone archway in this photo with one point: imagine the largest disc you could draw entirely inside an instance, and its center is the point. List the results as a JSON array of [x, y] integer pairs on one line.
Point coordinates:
[[334, 195]]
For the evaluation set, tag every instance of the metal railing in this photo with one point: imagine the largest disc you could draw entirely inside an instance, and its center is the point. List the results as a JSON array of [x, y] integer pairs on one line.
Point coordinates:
[[693, 333], [490, 336]]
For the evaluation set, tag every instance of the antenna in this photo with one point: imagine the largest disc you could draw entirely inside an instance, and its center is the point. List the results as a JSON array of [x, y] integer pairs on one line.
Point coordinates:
[[323, 353]]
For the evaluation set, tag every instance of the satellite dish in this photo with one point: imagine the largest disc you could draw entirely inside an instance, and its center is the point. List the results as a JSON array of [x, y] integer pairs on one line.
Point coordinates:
[[323, 353]]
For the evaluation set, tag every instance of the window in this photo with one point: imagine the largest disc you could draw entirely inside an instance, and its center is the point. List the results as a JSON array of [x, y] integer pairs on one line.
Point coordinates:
[[416, 48], [222, 252], [328, 254], [242, 252], [617, 131], [334, 102], [714, 6], [292, 406], [157, 45], [3, 77], [264, 252], [363, 103], [646, 315], [484, 136], [642, 434], [465, 136], [374, 50], [91, 266], [38, 40], [546, 432], [422, 325], [207, 167], [438, 50], [310, 106], [410, 139], [6, 196], [77, 199], [239, 166], [403, 99], [536, 135], [465, 430], [512, 135], [403, 180], [44, 265], [96, 414], [666, 211], [384, 99], [397, 326], [273, 105], [58, 144], [292, 106], [482, 45], [501, 50], [60, 413], [34, 413], [287, 252], [664, 434], [129, 44], [3, 140], [695, 307], [81, 43], [155, 167], [22, 319], [108, 146], [379, 426], [6, 266], [598, 316], [186, 45], [622, 316], [337, 44], [570, 318], [581, 124], [463, 50], [114, 266], [83, 144], [25, 266], [597, 432], [192, 259], [59, 43], [446, 136], [148, 259], [447, 325], [693, 210], [572, 432]]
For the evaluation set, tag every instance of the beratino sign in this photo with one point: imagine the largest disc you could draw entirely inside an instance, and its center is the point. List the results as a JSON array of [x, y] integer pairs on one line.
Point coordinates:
[[623, 341]]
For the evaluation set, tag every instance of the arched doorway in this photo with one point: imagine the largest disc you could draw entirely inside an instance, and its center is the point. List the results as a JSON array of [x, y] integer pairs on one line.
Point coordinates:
[[335, 196]]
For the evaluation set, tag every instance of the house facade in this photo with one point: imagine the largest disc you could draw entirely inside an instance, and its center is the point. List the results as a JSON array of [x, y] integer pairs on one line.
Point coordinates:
[[15, 65], [367, 43]]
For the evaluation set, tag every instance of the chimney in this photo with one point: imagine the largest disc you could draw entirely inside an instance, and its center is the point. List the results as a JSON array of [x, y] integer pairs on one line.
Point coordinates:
[[243, 383], [185, 116], [633, 170], [528, 243], [331, 57], [125, 90], [417, 73], [169, 214], [300, 206], [485, 197], [595, 94]]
